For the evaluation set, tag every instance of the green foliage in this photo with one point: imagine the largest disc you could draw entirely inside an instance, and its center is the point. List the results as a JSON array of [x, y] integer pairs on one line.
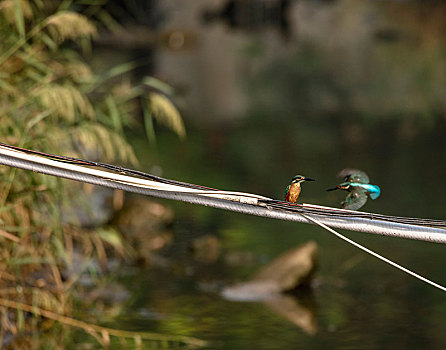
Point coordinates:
[[51, 101], [47, 104]]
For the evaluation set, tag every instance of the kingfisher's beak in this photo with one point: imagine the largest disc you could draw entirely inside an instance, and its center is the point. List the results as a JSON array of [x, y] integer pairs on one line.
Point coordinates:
[[334, 188], [308, 179]]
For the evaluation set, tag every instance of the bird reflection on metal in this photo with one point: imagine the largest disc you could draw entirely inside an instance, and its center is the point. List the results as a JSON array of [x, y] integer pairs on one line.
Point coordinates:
[[293, 190], [356, 182]]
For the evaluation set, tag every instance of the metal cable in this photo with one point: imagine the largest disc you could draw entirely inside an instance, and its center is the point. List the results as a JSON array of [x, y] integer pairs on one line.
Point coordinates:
[[413, 228]]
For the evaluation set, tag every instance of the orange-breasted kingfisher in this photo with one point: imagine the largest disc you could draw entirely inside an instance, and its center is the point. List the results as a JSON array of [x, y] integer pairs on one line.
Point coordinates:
[[356, 182], [293, 190]]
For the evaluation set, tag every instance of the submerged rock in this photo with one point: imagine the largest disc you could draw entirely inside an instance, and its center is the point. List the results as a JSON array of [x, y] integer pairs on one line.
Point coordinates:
[[289, 271]]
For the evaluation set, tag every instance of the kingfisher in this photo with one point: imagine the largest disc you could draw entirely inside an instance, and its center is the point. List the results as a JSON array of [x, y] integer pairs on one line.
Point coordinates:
[[293, 190], [356, 182]]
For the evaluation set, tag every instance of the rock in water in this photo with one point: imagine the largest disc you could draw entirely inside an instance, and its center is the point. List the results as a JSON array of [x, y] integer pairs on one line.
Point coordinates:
[[288, 272], [291, 270]]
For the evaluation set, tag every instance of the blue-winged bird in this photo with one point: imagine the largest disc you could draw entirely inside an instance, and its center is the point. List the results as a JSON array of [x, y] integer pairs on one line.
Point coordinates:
[[357, 183], [293, 190]]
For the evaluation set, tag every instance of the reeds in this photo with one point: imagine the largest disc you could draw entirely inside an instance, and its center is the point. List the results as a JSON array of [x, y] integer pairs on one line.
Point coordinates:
[[51, 101]]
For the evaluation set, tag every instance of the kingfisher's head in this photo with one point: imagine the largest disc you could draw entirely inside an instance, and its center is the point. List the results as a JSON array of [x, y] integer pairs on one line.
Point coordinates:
[[300, 179]]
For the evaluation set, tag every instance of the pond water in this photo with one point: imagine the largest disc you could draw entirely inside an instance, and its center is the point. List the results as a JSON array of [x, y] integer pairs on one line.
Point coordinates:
[[362, 87], [356, 301]]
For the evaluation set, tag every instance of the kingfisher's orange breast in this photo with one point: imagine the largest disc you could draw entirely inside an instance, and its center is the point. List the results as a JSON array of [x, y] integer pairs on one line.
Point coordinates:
[[293, 193]]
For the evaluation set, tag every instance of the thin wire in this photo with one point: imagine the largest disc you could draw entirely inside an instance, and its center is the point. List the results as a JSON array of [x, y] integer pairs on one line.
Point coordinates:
[[371, 252]]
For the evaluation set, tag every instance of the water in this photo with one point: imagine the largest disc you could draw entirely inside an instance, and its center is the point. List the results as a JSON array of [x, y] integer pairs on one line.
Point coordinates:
[[360, 87], [359, 301]]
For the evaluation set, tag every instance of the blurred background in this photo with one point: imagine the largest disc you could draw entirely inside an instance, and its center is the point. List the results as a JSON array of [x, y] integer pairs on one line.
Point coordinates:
[[268, 89]]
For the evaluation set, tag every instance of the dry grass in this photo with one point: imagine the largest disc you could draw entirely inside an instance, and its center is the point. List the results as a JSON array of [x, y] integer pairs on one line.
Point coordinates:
[[52, 102]]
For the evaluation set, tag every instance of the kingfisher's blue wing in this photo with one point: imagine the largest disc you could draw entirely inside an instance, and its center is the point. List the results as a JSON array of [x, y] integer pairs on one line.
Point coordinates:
[[354, 175], [355, 199]]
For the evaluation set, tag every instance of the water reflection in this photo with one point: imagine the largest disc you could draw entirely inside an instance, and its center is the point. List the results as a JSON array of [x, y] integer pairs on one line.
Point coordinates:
[[300, 311]]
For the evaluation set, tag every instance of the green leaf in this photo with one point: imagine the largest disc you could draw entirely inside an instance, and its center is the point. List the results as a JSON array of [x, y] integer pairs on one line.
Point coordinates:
[[148, 123], [119, 70], [48, 41], [114, 113], [19, 20], [109, 21], [112, 237], [158, 85]]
